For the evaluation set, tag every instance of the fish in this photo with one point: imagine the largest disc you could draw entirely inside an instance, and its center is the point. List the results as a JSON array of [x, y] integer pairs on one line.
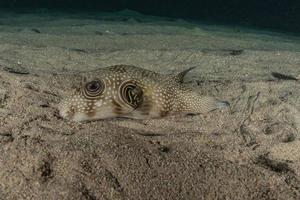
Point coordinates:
[[280, 76], [132, 92]]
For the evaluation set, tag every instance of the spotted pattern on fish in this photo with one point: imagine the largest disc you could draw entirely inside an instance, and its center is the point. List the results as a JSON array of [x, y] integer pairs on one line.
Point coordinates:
[[132, 92]]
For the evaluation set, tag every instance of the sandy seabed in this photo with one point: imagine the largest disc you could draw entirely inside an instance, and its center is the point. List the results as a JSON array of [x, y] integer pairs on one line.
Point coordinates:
[[248, 151]]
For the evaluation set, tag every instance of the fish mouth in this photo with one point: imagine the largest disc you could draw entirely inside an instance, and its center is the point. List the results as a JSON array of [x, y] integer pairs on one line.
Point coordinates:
[[65, 111]]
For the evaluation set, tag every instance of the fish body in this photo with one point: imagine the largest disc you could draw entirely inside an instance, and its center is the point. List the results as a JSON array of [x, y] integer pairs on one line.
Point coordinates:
[[133, 92]]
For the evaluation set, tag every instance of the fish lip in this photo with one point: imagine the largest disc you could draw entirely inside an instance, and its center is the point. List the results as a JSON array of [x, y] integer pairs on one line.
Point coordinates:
[[64, 110]]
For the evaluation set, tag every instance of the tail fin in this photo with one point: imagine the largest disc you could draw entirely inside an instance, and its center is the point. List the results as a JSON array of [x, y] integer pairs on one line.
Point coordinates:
[[204, 104], [194, 103], [223, 104]]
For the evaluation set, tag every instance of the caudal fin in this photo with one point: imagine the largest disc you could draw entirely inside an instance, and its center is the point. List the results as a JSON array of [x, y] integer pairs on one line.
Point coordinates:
[[194, 103], [206, 104], [222, 104]]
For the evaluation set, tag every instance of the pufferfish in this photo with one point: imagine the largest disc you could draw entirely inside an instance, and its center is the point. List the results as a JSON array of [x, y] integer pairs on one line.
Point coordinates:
[[133, 92]]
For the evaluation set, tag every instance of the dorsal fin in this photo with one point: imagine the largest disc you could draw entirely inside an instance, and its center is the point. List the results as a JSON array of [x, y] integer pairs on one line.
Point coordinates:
[[179, 77]]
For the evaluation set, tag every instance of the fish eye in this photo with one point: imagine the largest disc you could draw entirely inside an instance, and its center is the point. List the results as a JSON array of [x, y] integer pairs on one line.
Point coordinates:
[[94, 88]]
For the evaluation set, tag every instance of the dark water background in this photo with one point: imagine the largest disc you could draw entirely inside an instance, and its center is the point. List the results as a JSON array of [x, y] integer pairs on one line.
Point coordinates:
[[279, 15]]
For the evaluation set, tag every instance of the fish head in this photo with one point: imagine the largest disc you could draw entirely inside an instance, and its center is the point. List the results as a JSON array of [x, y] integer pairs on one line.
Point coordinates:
[[101, 98]]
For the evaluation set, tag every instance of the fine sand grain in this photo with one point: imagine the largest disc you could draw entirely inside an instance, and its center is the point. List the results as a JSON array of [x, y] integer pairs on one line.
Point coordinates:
[[249, 151]]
